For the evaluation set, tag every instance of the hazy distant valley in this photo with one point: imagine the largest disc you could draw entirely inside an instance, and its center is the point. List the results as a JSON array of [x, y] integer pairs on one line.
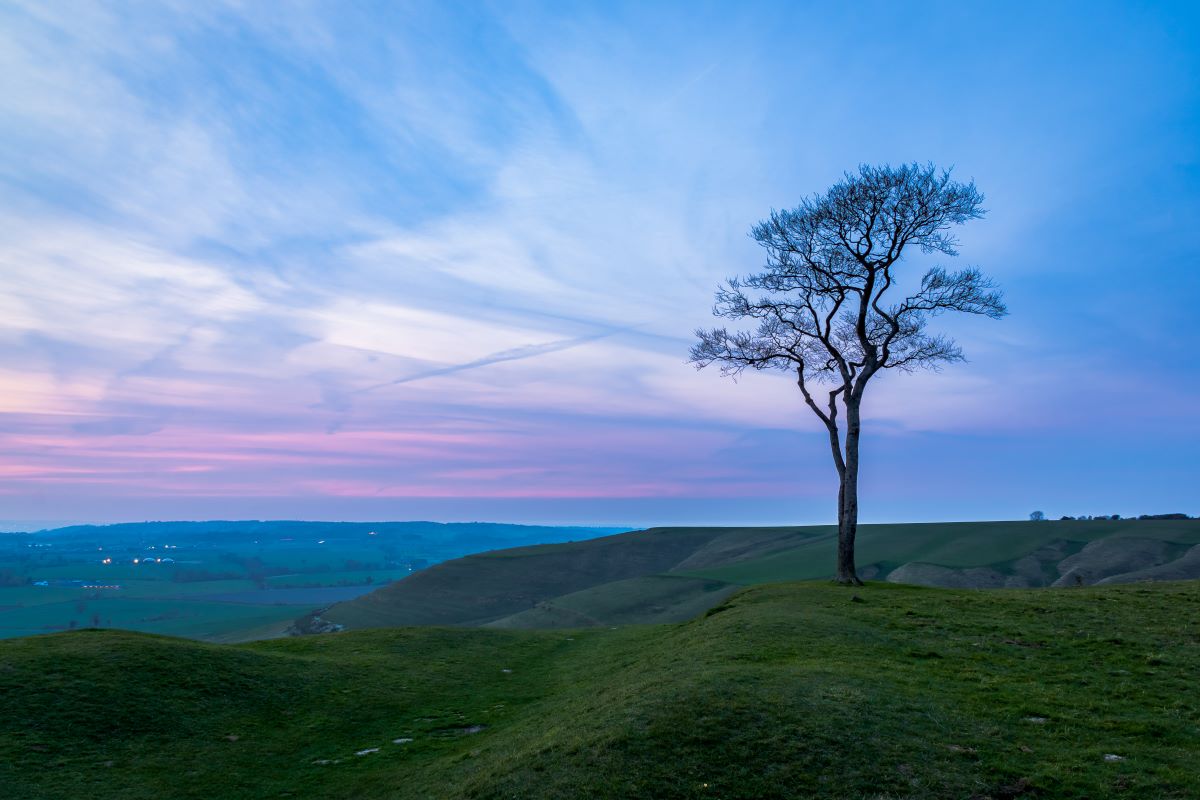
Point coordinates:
[[222, 580]]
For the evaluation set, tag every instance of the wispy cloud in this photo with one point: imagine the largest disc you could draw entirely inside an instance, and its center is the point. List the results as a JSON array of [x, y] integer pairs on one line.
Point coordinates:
[[388, 250]]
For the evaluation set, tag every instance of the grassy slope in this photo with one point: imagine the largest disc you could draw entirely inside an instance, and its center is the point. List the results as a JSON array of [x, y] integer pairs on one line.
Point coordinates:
[[489, 586], [652, 599], [949, 544], [619, 579], [783, 691]]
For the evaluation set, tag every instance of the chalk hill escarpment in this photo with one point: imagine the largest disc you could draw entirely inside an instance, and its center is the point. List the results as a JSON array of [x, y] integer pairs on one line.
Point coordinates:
[[672, 574]]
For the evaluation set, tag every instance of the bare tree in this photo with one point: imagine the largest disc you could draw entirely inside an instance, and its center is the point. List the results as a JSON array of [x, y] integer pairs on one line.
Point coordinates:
[[827, 308]]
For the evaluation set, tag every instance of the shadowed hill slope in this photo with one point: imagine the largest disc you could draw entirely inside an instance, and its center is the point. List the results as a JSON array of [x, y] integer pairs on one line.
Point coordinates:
[[488, 586], [670, 574], [787, 690], [1186, 567], [955, 545]]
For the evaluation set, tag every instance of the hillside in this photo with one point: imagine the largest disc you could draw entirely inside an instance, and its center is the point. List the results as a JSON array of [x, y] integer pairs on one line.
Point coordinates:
[[671, 574], [793, 690], [487, 587]]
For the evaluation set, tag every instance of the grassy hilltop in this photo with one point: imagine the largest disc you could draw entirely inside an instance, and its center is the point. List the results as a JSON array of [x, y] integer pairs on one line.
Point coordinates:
[[790, 690], [671, 574]]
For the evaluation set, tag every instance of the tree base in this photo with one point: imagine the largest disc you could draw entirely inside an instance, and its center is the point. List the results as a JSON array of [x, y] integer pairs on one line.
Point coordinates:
[[847, 580]]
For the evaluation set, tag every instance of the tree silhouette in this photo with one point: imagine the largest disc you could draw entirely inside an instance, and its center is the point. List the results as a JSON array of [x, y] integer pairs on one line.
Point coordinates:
[[827, 305]]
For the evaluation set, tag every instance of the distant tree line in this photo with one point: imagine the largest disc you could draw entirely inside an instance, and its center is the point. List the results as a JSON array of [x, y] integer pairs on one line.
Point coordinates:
[[1038, 516]]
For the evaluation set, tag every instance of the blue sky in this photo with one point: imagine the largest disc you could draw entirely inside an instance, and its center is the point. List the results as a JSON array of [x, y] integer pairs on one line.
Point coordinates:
[[440, 260]]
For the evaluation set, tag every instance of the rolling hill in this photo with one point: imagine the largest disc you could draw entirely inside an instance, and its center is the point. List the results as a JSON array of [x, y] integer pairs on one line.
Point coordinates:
[[786, 690], [671, 574]]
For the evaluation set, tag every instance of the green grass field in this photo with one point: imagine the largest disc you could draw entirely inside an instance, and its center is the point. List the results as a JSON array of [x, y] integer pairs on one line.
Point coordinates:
[[792, 690]]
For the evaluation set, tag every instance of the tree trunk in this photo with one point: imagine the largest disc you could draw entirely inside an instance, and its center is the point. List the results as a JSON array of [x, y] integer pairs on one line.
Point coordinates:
[[848, 500]]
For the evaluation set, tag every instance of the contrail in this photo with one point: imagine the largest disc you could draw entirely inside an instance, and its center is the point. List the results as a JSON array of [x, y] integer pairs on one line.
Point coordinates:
[[513, 354]]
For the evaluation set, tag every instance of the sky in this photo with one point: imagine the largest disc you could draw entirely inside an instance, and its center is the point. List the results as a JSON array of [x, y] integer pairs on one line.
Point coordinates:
[[444, 260]]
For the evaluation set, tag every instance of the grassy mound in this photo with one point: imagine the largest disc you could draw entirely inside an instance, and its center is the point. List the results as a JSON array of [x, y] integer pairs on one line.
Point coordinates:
[[792, 690]]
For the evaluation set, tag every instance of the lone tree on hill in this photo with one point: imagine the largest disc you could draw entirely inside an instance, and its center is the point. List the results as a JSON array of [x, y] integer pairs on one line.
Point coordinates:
[[826, 305]]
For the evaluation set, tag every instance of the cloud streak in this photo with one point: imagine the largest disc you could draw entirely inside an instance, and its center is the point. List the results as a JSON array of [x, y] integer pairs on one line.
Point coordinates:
[[226, 229], [512, 354]]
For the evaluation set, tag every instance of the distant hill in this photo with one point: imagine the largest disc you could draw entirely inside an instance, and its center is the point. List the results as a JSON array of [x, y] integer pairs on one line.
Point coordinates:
[[671, 574], [455, 534], [780, 691]]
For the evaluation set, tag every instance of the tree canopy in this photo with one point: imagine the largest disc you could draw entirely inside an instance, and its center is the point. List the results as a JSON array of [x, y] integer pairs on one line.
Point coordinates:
[[822, 301]]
